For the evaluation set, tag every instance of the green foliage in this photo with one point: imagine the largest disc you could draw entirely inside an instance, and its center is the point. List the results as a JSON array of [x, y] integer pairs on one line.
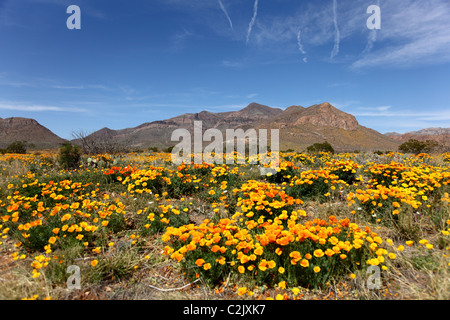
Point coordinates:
[[320, 147], [307, 191], [17, 147], [283, 175], [416, 146], [169, 149], [69, 156]]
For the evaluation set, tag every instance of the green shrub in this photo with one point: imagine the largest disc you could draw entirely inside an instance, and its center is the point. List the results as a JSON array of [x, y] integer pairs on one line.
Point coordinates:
[[169, 149], [416, 146], [17, 147], [316, 190], [320, 147], [69, 156]]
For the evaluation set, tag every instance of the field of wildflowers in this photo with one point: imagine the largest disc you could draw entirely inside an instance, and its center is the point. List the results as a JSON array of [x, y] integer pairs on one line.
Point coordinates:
[[139, 227]]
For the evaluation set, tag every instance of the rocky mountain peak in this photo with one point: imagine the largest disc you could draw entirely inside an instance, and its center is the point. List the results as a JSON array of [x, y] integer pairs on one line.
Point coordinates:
[[327, 115], [26, 129]]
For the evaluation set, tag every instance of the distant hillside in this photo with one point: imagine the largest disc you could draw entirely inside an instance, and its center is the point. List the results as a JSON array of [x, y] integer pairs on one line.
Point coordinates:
[[299, 128], [25, 129], [440, 135], [158, 133]]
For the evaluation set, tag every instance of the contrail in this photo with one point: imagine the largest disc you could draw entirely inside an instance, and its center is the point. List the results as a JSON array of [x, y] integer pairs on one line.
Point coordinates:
[[226, 13], [299, 42], [337, 35], [370, 41], [252, 22]]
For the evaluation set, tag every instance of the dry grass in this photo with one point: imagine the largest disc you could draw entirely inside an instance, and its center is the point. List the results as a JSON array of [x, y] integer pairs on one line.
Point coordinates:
[[17, 283]]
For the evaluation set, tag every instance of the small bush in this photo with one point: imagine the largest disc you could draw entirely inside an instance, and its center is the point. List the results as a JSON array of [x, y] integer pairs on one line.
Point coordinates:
[[320, 147], [312, 184], [69, 156], [169, 149], [17, 147], [416, 146]]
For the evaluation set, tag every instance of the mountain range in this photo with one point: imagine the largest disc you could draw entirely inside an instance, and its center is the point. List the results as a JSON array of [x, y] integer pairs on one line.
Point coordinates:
[[299, 127], [440, 135]]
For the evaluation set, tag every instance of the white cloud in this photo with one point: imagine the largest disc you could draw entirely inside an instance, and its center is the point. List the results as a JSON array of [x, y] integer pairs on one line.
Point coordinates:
[[300, 46], [388, 119], [412, 32], [381, 108], [127, 90], [416, 32], [178, 40], [192, 108], [232, 64], [37, 108], [299, 42], [443, 115], [370, 41], [221, 108], [48, 84], [85, 7], [338, 84], [343, 104], [67, 87]]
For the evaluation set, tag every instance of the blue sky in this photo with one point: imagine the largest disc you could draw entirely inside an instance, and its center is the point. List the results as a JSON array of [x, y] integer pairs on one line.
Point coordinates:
[[143, 60]]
